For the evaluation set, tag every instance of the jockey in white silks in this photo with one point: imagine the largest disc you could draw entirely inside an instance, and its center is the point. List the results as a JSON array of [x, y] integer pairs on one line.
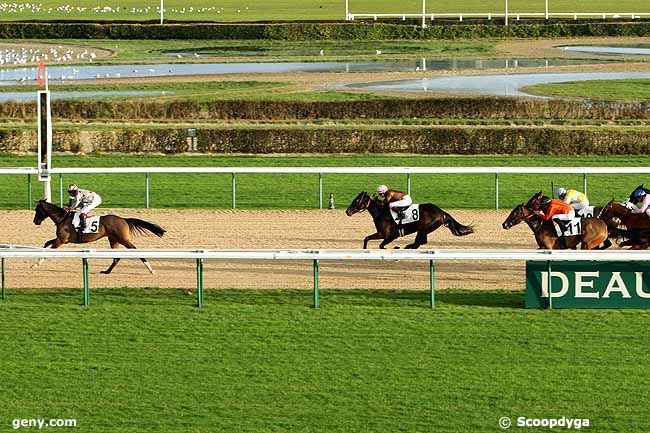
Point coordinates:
[[82, 201]]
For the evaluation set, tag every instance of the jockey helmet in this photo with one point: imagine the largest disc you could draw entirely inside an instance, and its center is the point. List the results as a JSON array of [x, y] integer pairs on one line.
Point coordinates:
[[73, 189], [381, 189], [545, 200], [638, 193], [559, 192]]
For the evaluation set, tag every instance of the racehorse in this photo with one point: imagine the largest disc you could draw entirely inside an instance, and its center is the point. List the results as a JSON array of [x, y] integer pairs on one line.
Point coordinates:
[[594, 230], [117, 229], [637, 225], [431, 218]]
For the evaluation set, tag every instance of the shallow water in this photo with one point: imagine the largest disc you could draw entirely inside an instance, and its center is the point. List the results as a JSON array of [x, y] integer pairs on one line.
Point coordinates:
[[637, 50], [494, 85], [87, 72]]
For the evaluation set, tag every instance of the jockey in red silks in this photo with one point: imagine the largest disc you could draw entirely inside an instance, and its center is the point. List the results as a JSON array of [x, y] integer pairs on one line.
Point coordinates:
[[84, 201]]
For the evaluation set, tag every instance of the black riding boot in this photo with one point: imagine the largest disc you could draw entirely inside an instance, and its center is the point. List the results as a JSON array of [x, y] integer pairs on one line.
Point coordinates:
[[563, 225], [82, 225]]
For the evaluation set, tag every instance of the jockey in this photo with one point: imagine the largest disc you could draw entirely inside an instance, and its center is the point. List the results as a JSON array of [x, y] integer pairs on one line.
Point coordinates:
[[558, 210], [641, 194], [84, 201], [398, 200], [576, 199]]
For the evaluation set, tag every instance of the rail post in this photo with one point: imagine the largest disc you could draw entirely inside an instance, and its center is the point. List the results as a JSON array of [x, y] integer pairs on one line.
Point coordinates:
[[85, 278], [234, 191], [320, 190], [29, 191], [408, 183], [548, 283], [316, 300], [432, 282], [496, 190], [61, 188], [199, 283], [2, 265], [584, 182], [146, 190]]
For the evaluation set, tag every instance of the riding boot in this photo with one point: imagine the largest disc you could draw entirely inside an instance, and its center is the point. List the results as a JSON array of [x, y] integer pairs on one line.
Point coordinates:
[[563, 225], [82, 224]]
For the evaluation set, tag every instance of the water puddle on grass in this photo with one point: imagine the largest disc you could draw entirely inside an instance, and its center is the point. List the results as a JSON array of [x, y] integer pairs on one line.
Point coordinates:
[[494, 85], [631, 50], [86, 72]]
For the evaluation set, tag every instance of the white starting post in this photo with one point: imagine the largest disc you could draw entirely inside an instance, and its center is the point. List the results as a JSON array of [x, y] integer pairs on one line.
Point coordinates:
[[44, 133]]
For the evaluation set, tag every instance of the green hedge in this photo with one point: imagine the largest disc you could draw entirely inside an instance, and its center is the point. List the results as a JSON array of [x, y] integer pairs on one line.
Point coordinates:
[[442, 108], [438, 140], [315, 31]]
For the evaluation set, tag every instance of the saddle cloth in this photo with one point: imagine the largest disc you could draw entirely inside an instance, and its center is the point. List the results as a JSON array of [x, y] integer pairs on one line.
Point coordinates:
[[587, 212], [411, 214], [573, 227], [92, 224]]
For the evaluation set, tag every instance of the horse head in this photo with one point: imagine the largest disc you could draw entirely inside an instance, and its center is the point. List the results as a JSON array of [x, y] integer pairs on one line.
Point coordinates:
[[518, 214], [39, 213], [359, 204], [44, 210]]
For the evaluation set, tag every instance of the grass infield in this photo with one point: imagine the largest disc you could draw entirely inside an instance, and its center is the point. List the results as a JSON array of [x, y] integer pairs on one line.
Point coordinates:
[[605, 90], [283, 10], [268, 191], [367, 361]]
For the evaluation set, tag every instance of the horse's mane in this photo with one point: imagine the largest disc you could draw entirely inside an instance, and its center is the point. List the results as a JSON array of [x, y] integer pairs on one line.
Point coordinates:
[[50, 206]]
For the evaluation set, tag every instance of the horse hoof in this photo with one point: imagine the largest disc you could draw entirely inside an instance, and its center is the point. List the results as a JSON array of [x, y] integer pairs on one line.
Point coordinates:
[[104, 272], [397, 248]]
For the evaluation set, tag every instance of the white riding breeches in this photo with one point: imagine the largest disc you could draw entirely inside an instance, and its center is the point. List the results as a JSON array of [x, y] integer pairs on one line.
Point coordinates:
[[96, 201], [404, 202], [578, 206], [565, 216]]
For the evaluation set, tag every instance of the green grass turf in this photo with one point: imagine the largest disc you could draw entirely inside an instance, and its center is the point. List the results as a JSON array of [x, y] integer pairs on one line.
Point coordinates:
[[367, 361], [236, 10], [607, 90], [301, 191]]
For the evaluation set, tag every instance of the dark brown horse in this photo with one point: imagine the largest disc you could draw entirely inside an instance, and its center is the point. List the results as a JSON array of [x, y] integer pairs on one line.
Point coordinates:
[[637, 225], [117, 229], [594, 231], [431, 218]]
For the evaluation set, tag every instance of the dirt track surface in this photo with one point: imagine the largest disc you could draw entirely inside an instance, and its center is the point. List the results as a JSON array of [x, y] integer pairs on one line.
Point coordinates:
[[275, 230]]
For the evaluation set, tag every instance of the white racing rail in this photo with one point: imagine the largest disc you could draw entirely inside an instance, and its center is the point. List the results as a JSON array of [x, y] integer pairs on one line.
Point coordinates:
[[315, 256], [320, 171]]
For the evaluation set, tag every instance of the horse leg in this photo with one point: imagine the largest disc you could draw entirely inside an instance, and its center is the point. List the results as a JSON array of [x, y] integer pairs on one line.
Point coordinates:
[[114, 244], [130, 246], [421, 237], [47, 244], [388, 240], [371, 237]]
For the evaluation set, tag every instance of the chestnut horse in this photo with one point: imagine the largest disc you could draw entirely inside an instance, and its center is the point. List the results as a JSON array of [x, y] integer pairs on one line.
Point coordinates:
[[117, 229], [637, 225], [431, 218], [594, 230]]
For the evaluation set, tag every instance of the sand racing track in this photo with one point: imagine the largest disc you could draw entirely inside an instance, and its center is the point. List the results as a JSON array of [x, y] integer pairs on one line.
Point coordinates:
[[275, 230]]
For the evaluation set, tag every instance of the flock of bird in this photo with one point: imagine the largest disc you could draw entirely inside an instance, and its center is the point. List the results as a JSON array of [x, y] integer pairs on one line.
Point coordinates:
[[22, 56], [38, 8]]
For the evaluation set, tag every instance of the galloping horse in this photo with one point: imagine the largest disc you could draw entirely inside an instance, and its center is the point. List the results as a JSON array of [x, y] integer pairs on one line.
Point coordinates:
[[117, 229], [637, 225], [431, 218], [594, 231]]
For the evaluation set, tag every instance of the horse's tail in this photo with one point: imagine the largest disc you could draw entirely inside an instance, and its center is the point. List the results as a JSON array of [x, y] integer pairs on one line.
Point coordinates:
[[456, 228], [140, 226]]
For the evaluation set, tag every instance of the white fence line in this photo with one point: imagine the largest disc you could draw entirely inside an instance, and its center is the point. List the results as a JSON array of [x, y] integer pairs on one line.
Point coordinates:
[[517, 15], [315, 256], [320, 171]]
